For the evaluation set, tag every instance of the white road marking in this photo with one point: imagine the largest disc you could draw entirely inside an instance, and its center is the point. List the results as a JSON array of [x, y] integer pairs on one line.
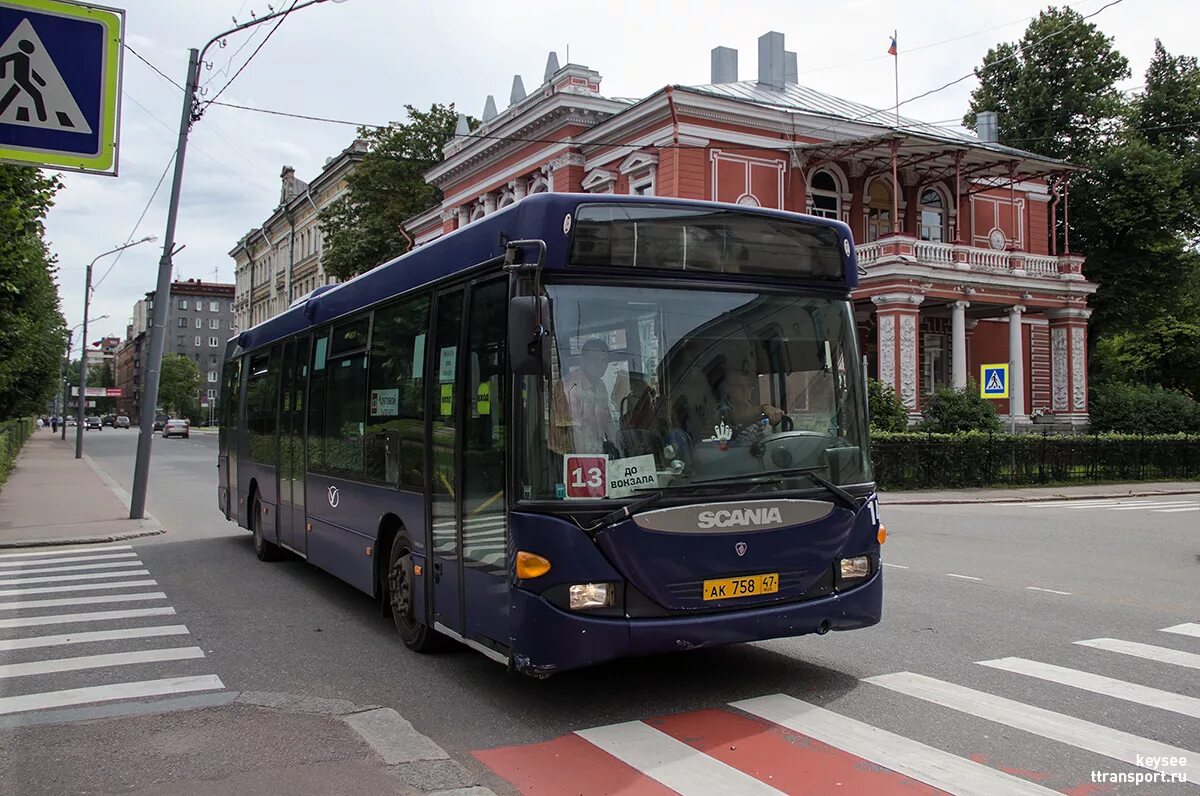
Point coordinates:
[[1039, 721], [963, 577], [1099, 684], [1051, 591], [121, 584], [930, 765], [1172, 511], [34, 642], [109, 693], [99, 661], [88, 616], [67, 578], [1147, 651], [673, 763], [1186, 629], [65, 551], [76, 567], [69, 559], [894, 566], [1156, 506], [1123, 503], [59, 602]]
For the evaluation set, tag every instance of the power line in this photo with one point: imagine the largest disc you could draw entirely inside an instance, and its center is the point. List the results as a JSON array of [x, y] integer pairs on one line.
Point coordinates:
[[298, 115], [138, 223], [160, 72], [261, 44]]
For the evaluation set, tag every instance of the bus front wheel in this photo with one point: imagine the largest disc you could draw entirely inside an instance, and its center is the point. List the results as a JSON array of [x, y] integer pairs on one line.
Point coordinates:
[[402, 582], [266, 551]]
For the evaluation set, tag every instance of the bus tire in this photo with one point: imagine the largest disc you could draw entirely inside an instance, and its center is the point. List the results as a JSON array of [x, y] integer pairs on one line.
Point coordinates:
[[401, 581], [266, 551]]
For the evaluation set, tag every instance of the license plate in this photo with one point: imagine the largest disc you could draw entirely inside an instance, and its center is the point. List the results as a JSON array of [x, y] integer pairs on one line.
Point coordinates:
[[746, 586]]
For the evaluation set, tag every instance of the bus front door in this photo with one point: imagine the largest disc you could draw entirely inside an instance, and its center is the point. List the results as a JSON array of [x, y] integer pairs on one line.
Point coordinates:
[[292, 413], [443, 542]]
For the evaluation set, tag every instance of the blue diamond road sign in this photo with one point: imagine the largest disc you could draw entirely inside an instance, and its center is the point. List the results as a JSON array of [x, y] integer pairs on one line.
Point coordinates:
[[60, 82]]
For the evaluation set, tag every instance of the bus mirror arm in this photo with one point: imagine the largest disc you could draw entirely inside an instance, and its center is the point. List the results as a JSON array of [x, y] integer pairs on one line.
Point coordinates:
[[528, 337]]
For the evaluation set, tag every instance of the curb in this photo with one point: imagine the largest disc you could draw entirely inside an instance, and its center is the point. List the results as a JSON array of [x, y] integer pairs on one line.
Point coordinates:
[[1016, 499], [58, 541]]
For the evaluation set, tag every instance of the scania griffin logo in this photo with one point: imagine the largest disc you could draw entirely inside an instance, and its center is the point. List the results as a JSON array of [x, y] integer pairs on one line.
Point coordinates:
[[334, 497], [740, 548], [728, 518]]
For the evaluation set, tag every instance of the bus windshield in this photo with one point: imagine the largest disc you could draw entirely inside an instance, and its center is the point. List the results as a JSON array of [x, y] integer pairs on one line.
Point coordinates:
[[666, 388]]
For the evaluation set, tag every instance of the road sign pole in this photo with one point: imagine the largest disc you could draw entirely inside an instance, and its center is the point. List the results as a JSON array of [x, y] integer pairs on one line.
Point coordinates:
[[162, 301], [87, 297]]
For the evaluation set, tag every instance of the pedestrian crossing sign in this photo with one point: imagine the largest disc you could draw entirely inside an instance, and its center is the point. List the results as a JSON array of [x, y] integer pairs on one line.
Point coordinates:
[[60, 74], [993, 381]]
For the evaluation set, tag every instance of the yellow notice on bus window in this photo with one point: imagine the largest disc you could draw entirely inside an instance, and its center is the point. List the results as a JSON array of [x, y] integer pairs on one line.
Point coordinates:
[[483, 399], [446, 402]]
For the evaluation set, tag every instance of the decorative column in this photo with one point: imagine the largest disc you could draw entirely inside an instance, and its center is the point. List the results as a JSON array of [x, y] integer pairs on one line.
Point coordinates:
[[958, 344], [899, 320], [464, 216], [518, 188], [489, 203], [1016, 364], [1068, 363]]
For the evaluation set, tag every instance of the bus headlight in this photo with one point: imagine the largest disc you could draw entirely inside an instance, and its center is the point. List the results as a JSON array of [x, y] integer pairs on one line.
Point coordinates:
[[591, 595], [855, 568]]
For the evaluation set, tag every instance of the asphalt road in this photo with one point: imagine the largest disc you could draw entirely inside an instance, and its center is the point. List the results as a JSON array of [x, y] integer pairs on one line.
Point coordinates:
[[964, 584]]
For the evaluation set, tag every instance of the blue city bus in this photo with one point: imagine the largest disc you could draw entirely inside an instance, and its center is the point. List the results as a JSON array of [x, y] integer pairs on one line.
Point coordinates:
[[581, 428]]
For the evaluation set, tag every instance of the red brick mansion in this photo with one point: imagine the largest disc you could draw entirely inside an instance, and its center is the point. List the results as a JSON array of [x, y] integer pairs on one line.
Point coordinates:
[[961, 266]]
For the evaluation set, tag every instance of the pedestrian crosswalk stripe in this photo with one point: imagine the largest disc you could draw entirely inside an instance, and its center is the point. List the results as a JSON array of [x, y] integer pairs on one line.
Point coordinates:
[[92, 599], [1099, 684], [1186, 629], [121, 584], [1039, 721], [35, 562], [1173, 511], [1147, 651], [1155, 506], [36, 642], [98, 661], [672, 762], [68, 578], [87, 616], [109, 693], [65, 551], [75, 567], [928, 764]]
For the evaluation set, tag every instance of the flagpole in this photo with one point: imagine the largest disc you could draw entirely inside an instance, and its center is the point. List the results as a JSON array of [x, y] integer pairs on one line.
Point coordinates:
[[896, 109]]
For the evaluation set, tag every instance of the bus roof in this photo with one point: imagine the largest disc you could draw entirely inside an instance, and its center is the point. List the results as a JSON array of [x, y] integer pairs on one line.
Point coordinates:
[[538, 216]]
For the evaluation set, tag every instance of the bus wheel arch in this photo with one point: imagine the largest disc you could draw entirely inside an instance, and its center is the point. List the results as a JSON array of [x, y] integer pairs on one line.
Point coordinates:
[[399, 584], [265, 550]]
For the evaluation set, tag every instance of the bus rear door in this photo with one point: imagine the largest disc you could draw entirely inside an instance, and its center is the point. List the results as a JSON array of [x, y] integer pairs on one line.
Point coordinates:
[[293, 391]]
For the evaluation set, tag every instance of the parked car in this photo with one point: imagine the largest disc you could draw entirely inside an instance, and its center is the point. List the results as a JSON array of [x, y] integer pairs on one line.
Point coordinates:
[[159, 421], [176, 427], [121, 422], [93, 422]]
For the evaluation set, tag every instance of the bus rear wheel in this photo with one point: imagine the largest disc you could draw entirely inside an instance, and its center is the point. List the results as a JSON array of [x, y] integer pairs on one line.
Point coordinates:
[[266, 551], [402, 582]]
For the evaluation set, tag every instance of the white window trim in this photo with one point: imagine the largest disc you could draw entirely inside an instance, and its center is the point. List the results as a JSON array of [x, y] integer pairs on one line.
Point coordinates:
[[647, 180]]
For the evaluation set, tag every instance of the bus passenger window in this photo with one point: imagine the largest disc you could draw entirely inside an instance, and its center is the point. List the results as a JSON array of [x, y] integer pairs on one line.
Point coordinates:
[[316, 407], [262, 389], [346, 400], [395, 442]]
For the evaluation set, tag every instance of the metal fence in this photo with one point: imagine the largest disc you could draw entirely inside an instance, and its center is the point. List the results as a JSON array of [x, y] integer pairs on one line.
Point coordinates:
[[934, 461]]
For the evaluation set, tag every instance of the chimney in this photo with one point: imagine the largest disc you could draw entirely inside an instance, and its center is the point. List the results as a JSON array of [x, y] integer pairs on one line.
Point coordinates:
[[518, 91], [986, 127], [489, 108], [724, 65], [551, 66], [287, 188], [791, 73], [770, 59]]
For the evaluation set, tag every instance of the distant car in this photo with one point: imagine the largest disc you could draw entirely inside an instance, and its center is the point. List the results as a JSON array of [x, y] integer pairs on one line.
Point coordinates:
[[108, 420], [72, 421], [159, 422], [93, 422], [176, 427], [121, 422]]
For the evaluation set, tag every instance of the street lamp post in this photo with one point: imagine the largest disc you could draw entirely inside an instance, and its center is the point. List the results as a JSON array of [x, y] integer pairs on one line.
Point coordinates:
[[65, 366], [87, 298], [190, 113]]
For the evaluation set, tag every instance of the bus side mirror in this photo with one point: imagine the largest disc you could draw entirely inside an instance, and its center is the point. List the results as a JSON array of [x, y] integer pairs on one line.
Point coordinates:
[[529, 335]]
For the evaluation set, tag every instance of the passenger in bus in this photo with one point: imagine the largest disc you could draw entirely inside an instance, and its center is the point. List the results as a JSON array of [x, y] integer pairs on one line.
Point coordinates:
[[583, 410]]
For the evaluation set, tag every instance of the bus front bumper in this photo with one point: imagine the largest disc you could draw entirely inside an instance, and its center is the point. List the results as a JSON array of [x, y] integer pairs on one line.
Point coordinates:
[[548, 639]]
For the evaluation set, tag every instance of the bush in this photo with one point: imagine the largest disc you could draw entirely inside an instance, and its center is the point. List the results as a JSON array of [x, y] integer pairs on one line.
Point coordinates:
[[887, 412], [1141, 409], [949, 411], [13, 434]]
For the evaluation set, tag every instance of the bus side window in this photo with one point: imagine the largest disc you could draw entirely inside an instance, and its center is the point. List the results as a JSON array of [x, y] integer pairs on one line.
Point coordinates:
[[262, 390], [346, 396], [316, 406], [395, 442]]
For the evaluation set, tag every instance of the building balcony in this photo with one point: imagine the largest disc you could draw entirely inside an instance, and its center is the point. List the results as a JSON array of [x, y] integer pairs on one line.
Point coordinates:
[[960, 257]]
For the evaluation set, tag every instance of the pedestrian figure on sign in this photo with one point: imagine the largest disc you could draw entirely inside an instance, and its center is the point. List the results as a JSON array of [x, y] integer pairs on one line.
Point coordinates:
[[24, 76]]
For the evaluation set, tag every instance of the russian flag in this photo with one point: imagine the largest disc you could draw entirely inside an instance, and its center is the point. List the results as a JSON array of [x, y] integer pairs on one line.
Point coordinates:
[[892, 49]]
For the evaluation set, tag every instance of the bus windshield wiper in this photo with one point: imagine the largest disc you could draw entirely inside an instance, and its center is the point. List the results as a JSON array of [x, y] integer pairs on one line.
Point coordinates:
[[840, 495], [625, 512]]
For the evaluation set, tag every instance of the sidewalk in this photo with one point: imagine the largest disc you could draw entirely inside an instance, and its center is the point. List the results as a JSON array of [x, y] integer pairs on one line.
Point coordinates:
[[53, 498], [1031, 494]]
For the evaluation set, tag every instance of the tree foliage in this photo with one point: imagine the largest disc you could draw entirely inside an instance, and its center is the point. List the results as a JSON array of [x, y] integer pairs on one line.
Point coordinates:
[[32, 331], [1142, 409], [887, 412], [949, 411], [366, 227], [178, 381]]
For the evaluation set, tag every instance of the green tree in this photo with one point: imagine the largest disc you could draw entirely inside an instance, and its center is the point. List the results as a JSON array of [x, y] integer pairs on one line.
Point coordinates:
[[949, 411], [177, 384], [886, 410], [366, 227], [1055, 89], [32, 331]]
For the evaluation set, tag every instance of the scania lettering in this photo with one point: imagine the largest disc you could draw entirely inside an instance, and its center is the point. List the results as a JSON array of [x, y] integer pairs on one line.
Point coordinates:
[[580, 428]]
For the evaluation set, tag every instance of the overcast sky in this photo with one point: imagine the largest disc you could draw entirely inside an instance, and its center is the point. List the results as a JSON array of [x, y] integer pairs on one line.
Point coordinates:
[[363, 60]]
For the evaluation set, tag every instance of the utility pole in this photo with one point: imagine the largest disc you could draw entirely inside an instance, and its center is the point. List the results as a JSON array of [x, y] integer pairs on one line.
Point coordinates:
[[189, 114], [65, 366]]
